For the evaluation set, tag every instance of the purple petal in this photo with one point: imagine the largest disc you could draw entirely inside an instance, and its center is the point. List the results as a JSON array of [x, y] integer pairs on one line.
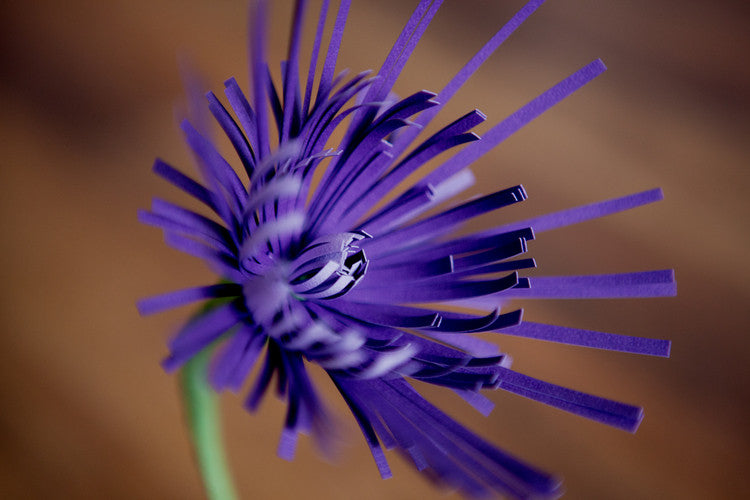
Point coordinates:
[[589, 338], [179, 298]]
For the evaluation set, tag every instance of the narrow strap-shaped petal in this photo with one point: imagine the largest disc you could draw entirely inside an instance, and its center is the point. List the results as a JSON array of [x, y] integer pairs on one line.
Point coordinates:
[[291, 75], [600, 286], [589, 338], [606, 411], [263, 380], [179, 298], [273, 97], [479, 402], [323, 14], [258, 74], [289, 436], [583, 213], [329, 66]]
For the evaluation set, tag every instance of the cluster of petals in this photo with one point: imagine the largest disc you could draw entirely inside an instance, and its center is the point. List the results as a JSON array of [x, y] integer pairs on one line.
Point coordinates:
[[345, 269]]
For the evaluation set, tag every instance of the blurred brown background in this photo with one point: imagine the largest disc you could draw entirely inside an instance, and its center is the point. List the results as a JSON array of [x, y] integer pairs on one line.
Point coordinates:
[[88, 94]]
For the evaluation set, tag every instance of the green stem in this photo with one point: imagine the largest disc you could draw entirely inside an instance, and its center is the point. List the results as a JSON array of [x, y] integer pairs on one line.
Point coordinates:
[[201, 406]]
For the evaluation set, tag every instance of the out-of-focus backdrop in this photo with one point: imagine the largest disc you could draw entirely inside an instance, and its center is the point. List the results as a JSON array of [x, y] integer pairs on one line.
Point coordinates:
[[88, 97]]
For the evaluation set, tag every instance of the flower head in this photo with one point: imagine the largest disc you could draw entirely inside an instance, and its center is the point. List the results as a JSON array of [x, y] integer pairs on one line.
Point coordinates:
[[324, 272]]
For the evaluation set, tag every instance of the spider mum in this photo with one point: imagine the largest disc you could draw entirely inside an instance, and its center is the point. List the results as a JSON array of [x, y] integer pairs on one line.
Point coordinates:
[[325, 273]]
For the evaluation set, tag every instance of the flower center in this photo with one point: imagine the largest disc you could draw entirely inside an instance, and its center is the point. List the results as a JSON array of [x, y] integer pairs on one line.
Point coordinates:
[[327, 268]]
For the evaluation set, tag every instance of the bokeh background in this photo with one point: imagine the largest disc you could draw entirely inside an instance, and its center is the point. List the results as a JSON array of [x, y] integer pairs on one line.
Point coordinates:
[[89, 92]]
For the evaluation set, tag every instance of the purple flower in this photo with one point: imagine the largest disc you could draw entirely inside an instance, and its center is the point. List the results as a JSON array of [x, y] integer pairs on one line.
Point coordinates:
[[320, 272]]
